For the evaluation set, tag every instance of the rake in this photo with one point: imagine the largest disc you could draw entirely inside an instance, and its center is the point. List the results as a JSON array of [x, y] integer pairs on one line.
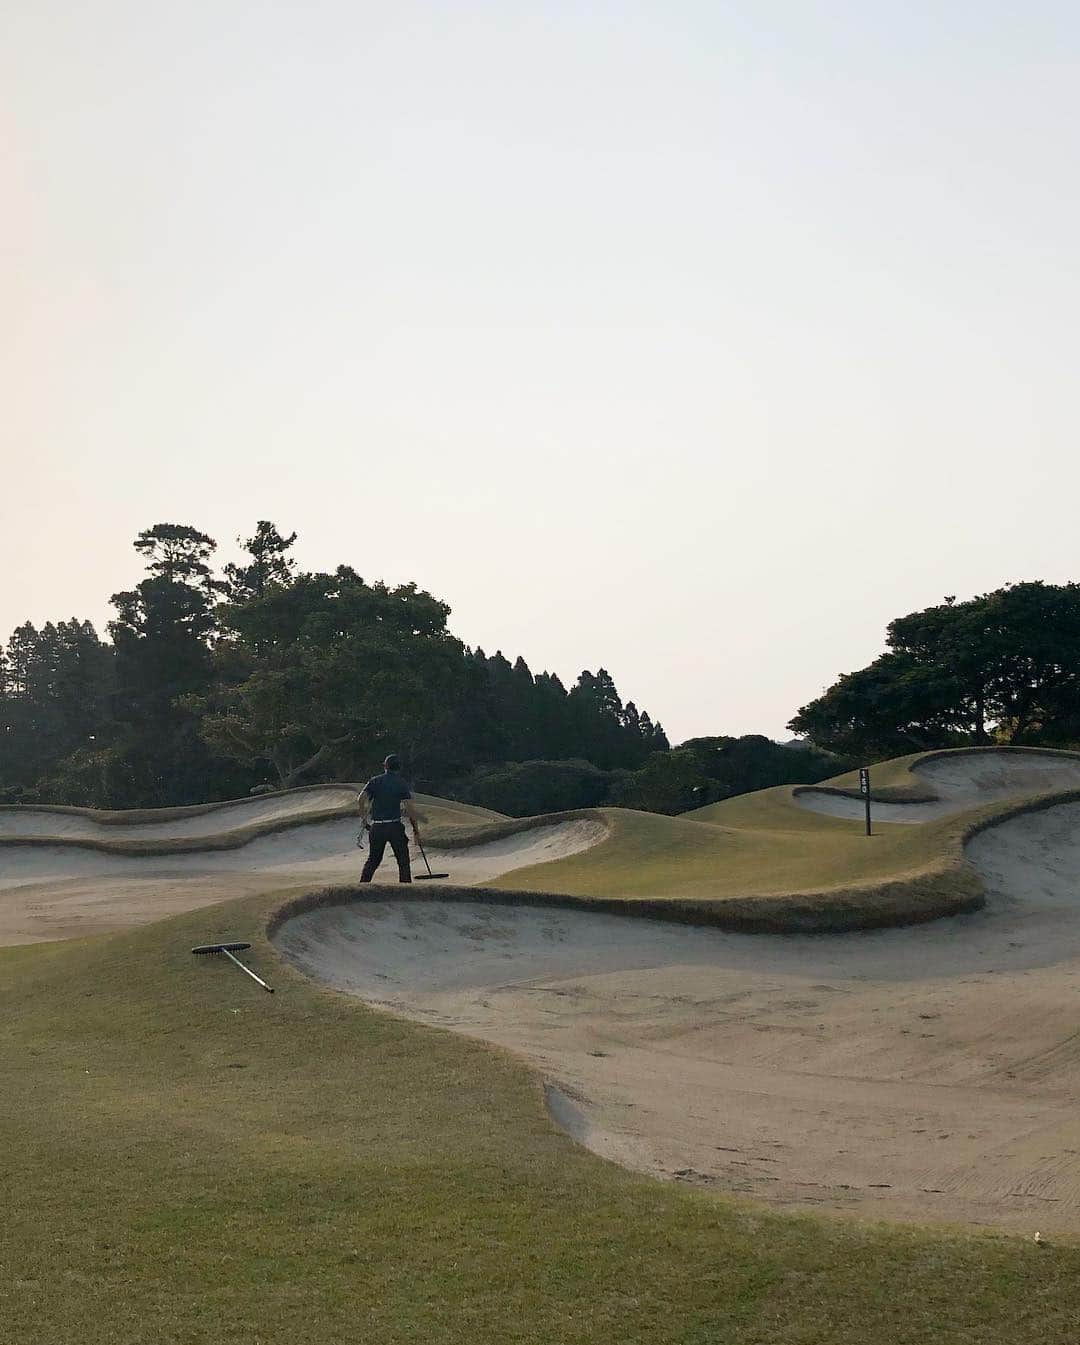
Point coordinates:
[[228, 949], [427, 877]]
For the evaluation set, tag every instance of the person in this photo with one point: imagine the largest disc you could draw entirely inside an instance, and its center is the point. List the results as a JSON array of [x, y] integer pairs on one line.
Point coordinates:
[[380, 806]]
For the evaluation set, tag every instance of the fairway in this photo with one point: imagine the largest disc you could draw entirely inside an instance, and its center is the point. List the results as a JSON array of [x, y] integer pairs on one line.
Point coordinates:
[[246, 1165]]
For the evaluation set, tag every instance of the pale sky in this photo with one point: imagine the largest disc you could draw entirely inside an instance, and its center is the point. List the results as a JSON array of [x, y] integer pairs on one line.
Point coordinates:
[[696, 340]]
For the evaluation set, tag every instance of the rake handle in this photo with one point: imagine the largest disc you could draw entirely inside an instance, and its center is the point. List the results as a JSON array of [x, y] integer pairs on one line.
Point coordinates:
[[420, 843], [260, 980]]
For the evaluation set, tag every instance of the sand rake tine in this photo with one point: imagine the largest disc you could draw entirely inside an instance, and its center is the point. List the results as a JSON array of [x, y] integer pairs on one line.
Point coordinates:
[[229, 949]]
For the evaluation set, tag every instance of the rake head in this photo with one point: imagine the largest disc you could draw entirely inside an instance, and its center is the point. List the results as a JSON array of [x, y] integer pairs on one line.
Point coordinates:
[[230, 950]]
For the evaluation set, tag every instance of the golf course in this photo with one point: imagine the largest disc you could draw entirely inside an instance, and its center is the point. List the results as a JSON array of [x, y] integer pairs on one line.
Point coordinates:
[[742, 1074], [540, 674]]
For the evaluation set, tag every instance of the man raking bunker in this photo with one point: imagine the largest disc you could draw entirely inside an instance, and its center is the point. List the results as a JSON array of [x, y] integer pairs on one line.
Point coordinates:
[[380, 806]]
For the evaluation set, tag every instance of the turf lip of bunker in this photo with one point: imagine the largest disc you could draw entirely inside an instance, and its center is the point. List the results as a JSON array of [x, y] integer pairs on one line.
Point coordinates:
[[472, 820], [947, 889]]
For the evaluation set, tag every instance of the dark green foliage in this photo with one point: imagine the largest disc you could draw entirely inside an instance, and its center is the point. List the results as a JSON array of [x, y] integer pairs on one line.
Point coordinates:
[[322, 673], [161, 638], [742, 765], [505, 713], [269, 564], [212, 687], [705, 770], [54, 698], [1003, 667], [180, 554], [669, 782], [526, 788], [610, 733]]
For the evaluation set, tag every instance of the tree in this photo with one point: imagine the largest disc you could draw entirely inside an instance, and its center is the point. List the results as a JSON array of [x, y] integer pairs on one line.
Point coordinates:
[[669, 782], [299, 675], [706, 770], [336, 672], [653, 737], [508, 713], [526, 788], [894, 706], [180, 554], [54, 697], [598, 718], [269, 564], [161, 636], [1002, 667]]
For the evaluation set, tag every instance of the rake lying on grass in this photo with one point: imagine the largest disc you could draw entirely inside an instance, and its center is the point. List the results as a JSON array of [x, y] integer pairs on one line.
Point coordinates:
[[228, 949]]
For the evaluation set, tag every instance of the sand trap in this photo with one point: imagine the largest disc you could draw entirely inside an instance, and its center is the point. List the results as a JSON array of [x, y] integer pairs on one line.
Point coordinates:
[[50, 892], [42, 823], [930, 1073], [960, 781]]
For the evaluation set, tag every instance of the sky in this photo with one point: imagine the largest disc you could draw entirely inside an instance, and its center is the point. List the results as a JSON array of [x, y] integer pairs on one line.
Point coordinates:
[[693, 340]]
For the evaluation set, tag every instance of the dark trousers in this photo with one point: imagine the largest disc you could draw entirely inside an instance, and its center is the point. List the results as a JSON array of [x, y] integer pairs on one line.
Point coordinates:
[[380, 833]]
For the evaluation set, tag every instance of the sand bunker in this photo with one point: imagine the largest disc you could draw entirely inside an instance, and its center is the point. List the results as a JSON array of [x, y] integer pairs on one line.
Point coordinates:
[[960, 780], [43, 823], [926, 1073], [51, 892]]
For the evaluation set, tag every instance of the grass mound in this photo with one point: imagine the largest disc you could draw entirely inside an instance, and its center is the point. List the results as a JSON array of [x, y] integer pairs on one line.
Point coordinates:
[[188, 1160], [770, 866], [760, 862]]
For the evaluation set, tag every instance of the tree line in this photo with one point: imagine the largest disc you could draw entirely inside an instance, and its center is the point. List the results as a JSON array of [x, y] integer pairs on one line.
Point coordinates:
[[213, 684], [263, 675], [1000, 668]]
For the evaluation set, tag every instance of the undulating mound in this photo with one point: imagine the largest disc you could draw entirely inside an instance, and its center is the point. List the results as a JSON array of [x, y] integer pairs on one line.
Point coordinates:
[[759, 861]]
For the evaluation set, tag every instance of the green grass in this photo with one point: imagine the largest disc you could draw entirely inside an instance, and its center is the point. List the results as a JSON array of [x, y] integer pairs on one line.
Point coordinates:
[[760, 860], [189, 1160], [771, 863], [768, 846]]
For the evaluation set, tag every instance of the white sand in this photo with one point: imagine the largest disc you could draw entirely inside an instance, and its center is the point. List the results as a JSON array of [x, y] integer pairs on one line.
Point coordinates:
[[50, 892], [961, 781], [42, 823], [930, 1073]]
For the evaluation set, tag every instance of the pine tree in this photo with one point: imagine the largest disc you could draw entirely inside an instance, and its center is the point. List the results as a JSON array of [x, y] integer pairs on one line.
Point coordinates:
[[269, 564], [161, 635]]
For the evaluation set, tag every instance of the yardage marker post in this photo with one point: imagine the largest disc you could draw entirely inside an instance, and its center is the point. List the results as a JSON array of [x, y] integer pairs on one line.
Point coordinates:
[[864, 789]]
